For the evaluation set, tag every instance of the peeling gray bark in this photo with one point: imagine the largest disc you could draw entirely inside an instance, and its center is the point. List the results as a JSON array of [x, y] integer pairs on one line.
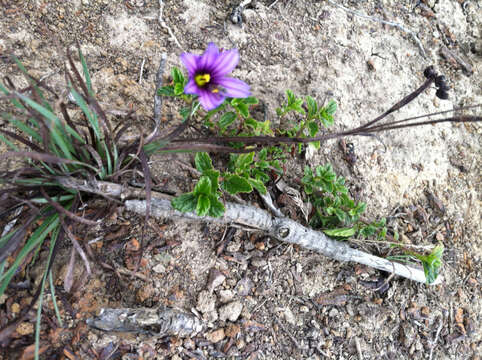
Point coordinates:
[[160, 322], [285, 230]]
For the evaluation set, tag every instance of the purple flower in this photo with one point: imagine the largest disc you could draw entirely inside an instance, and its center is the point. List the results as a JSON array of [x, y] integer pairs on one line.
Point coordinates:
[[207, 76]]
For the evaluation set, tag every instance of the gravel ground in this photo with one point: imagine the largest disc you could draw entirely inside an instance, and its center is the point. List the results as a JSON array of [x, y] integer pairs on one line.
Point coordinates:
[[260, 299]]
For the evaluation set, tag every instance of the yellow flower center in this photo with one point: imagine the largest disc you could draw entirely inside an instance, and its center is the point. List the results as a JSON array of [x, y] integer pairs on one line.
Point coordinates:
[[202, 79]]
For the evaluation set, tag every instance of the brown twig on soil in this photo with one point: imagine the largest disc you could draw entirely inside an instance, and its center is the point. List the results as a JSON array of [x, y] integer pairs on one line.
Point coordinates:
[[389, 23]]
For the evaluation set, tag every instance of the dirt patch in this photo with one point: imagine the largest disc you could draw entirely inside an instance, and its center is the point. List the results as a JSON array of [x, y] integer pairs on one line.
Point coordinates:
[[294, 304]]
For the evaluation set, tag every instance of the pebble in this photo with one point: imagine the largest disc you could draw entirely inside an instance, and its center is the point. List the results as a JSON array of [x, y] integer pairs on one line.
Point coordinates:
[[206, 302], [226, 296], [215, 279], [230, 311], [25, 328], [244, 286], [215, 336]]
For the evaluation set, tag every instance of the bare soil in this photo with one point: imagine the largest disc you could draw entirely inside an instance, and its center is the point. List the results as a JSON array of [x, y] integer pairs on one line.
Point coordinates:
[[295, 304]]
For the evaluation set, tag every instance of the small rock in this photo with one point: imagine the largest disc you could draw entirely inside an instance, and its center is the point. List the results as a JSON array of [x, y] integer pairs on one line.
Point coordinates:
[[159, 268], [226, 296], [25, 328], [215, 279], [333, 312], [145, 292], [230, 311], [215, 336], [15, 308], [232, 330], [289, 316], [205, 302], [258, 262], [244, 286]]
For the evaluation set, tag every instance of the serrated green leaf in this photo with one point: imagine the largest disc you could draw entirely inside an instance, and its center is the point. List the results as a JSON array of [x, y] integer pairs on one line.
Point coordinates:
[[250, 122], [203, 186], [203, 205], [203, 162], [185, 202], [235, 184], [244, 160], [258, 185], [226, 120], [341, 232], [217, 208], [213, 175]]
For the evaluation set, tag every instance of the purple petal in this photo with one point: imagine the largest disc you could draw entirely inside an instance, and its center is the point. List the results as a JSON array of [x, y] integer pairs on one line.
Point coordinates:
[[190, 61], [233, 87], [210, 100], [191, 87], [209, 57], [225, 62]]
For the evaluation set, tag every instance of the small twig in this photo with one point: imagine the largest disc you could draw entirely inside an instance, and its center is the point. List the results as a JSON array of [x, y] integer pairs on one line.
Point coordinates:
[[450, 55], [434, 342], [389, 23], [358, 349], [272, 4], [288, 333], [142, 70], [165, 26], [158, 98]]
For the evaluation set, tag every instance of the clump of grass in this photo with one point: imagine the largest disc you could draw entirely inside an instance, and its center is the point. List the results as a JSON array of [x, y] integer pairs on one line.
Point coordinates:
[[35, 208]]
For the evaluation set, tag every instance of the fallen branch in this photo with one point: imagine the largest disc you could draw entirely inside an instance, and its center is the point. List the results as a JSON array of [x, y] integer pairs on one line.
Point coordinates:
[[286, 230], [281, 228]]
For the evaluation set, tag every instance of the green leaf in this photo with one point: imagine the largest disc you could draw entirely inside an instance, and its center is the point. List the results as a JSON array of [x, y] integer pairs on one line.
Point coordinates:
[[34, 240], [313, 128], [177, 76], [258, 185], [213, 175], [250, 100], [226, 120], [341, 232], [184, 112], [312, 107], [185, 202], [203, 186], [432, 263], [166, 91], [243, 109], [331, 107], [235, 184], [178, 89], [217, 208], [244, 160], [203, 162], [203, 205], [85, 69]]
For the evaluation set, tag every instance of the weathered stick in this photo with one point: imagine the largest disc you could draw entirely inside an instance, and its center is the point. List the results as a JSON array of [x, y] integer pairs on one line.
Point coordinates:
[[160, 322], [286, 230], [281, 228]]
